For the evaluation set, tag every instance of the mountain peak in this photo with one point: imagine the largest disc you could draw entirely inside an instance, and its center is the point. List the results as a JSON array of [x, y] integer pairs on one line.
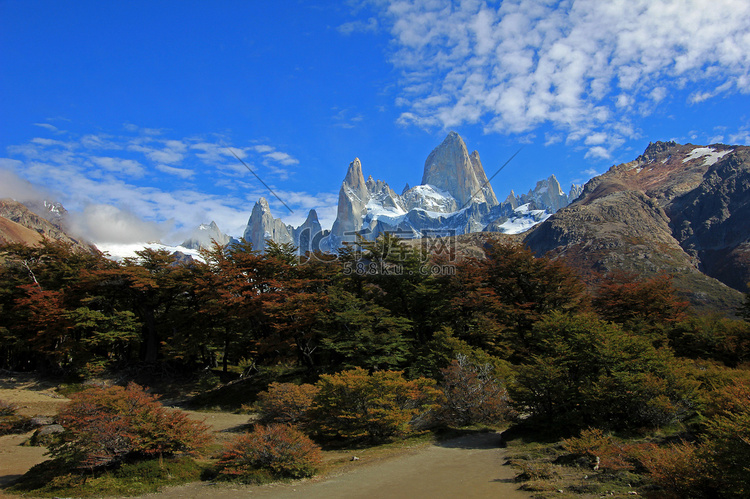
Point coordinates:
[[262, 204], [450, 167], [354, 177]]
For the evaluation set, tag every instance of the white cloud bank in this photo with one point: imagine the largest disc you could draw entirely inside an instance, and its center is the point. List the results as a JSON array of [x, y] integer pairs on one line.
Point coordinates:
[[586, 67], [151, 187]]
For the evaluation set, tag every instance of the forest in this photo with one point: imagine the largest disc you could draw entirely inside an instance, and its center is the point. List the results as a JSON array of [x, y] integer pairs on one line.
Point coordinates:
[[506, 338]]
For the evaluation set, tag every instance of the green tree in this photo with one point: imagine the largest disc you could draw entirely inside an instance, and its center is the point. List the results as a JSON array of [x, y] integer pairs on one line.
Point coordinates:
[[586, 372], [359, 333], [153, 286]]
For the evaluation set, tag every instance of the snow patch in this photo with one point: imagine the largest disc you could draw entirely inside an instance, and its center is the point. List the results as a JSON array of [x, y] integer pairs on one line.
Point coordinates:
[[523, 220], [715, 156], [121, 251]]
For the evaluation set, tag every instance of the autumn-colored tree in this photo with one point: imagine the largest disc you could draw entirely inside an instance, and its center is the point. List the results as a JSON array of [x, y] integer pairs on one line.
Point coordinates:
[[104, 426], [355, 405], [43, 303], [229, 291], [293, 307], [152, 285], [639, 303], [497, 300], [726, 439]]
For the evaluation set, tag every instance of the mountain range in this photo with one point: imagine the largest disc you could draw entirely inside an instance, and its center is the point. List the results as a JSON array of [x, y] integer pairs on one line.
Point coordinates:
[[455, 197]]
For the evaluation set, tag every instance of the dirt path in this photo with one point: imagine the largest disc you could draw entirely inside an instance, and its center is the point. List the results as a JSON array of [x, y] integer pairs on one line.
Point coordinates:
[[466, 467]]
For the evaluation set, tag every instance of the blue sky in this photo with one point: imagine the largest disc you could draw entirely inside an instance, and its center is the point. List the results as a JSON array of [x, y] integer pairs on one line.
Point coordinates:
[[122, 110]]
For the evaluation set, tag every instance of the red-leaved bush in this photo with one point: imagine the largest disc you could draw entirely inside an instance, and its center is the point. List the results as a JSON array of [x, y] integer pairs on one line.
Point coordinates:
[[103, 426], [280, 450]]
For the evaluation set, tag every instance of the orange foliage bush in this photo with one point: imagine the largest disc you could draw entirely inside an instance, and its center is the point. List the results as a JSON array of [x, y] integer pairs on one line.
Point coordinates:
[[354, 404], [103, 426], [677, 469], [286, 402], [606, 452], [278, 449]]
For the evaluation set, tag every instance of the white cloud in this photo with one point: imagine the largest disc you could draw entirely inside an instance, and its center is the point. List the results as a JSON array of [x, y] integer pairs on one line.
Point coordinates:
[[14, 187], [108, 194], [371, 25], [51, 128], [107, 224], [741, 137], [598, 152], [179, 172], [119, 165], [586, 67]]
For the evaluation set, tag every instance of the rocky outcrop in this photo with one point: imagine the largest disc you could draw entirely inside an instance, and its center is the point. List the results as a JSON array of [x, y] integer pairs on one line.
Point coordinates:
[[307, 236], [455, 197], [353, 198]]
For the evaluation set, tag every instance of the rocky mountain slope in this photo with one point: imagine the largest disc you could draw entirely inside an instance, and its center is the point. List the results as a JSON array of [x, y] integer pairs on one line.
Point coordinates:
[[677, 209], [15, 216]]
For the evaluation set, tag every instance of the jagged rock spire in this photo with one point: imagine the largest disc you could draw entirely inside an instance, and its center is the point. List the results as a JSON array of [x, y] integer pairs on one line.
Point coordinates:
[[449, 167]]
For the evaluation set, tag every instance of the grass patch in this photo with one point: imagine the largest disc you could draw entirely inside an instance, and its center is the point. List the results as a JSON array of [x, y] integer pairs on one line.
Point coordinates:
[[51, 479]]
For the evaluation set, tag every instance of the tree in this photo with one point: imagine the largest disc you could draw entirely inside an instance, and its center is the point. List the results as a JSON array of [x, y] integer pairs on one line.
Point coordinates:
[[744, 311], [497, 300], [359, 333], [154, 286], [639, 304], [473, 394], [229, 290], [587, 372]]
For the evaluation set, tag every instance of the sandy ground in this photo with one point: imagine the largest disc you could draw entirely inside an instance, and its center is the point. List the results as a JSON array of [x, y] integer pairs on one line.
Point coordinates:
[[470, 466], [465, 467]]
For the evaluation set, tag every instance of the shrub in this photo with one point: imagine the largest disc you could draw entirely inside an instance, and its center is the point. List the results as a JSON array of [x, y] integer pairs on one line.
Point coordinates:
[[726, 436], [280, 450], [473, 394], [286, 402], [605, 452], [11, 421], [677, 469], [103, 426], [591, 373], [356, 405]]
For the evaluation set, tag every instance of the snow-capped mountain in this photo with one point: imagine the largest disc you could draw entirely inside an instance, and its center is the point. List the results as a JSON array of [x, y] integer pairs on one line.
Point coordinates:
[[454, 197], [204, 236]]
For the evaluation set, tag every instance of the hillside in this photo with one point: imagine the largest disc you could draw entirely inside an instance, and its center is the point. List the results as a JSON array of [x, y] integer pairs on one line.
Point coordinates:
[[676, 209], [18, 224]]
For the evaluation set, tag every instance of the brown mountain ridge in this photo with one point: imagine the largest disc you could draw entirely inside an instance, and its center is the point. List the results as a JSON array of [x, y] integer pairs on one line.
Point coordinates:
[[677, 209]]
